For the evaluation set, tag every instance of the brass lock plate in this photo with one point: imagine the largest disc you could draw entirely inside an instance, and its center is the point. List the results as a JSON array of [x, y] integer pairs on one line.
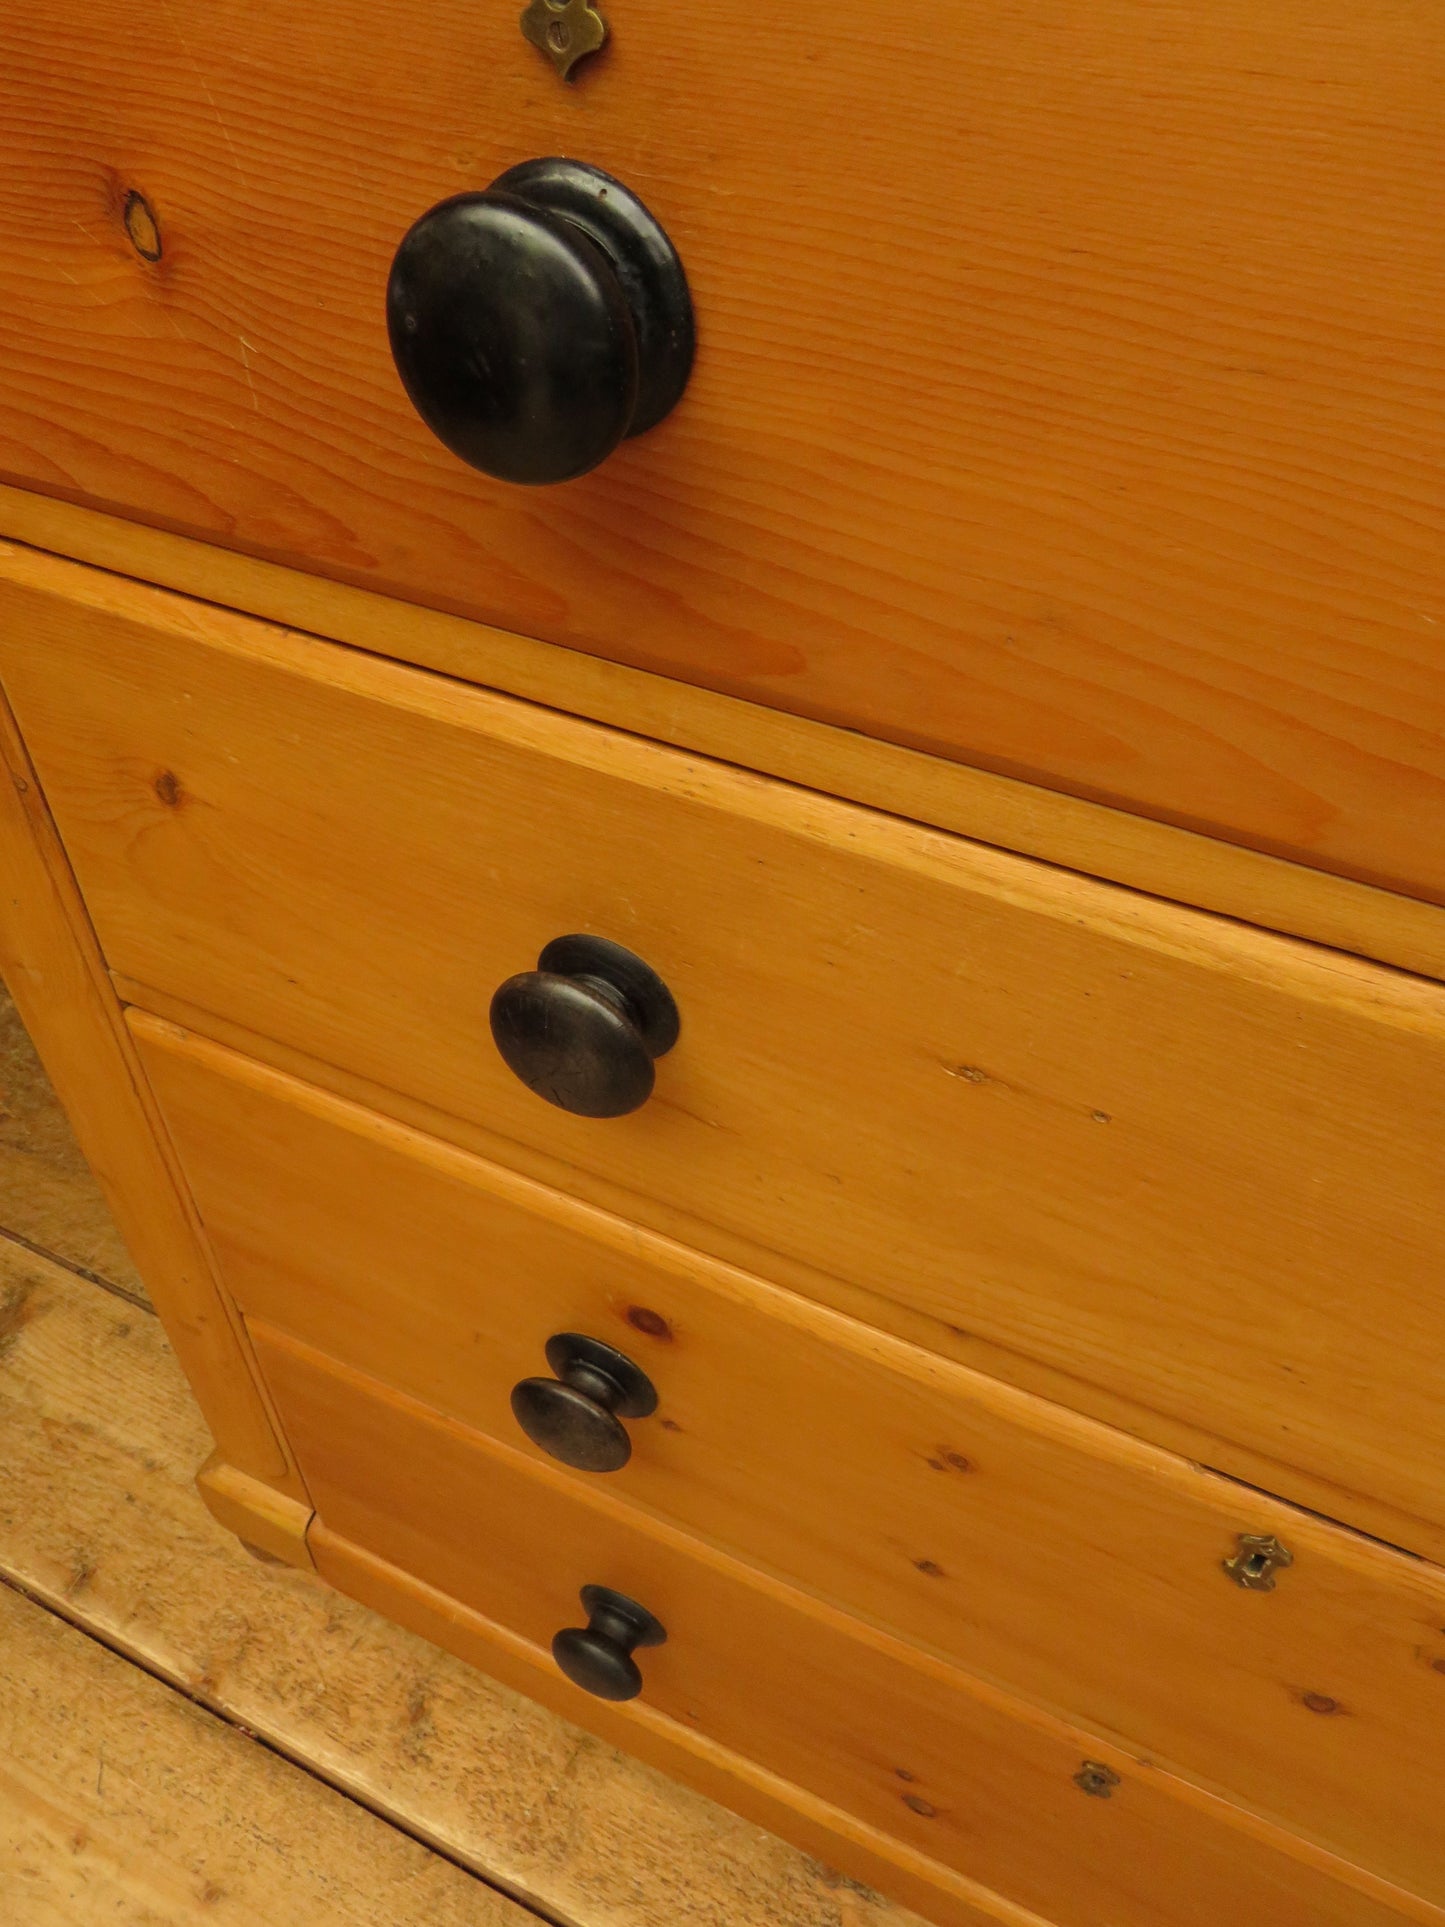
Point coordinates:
[[565, 30], [1258, 1556]]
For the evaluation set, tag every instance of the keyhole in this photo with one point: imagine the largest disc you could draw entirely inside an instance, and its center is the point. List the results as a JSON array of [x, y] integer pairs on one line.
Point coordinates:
[[1258, 1557]]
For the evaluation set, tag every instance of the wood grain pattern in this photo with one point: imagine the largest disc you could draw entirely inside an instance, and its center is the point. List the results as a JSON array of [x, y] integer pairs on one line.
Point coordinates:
[[1046, 1552], [952, 1769], [1175, 864], [271, 1523], [47, 1194], [54, 971], [967, 1347], [1067, 397], [120, 1801], [1094, 1130], [96, 1417], [949, 1899]]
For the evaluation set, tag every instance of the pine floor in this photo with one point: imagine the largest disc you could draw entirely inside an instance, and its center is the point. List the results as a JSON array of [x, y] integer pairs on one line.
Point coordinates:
[[189, 1736]]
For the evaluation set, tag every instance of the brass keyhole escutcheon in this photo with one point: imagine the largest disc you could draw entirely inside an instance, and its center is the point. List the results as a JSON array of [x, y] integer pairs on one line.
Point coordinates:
[[1097, 1780], [566, 31], [1258, 1556]]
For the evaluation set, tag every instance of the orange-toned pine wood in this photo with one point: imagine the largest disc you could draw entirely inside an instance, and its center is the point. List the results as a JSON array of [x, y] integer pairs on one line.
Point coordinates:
[[272, 1525], [1035, 1547], [837, 1841], [1069, 389], [1191, 1163], [951, 1768], [54, 971], [1157, 858], [917, 1327]]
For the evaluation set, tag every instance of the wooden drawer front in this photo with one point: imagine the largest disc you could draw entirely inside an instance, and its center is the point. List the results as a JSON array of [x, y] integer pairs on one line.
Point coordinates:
[[1079, 421], [950, 1767], [1070, 1563], [1197, 1166]]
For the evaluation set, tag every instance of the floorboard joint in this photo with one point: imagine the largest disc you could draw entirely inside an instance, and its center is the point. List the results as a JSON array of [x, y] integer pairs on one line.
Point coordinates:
[[64, 1611], [77, 1270]]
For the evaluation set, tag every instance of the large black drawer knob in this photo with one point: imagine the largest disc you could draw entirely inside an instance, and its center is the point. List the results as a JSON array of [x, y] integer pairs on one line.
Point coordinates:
[[598, 1658], [577, 1416], [539, 323], [583, 1028]]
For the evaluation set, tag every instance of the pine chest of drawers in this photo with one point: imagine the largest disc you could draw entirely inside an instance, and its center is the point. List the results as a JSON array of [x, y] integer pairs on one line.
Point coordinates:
[[740, 890]]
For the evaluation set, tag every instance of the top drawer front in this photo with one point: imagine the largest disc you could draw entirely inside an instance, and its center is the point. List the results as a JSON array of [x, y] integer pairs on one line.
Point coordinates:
[[1069, 376], [1195, 1165]]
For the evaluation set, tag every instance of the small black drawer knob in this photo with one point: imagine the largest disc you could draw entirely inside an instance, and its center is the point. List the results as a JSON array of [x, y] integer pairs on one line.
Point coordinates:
[[583, 1028], [599, 1657], [539, 323], [577, 1416]]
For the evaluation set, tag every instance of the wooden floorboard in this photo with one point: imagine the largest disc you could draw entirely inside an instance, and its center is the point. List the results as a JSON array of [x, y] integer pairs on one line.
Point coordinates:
[[100, 1522], [123, 1802], [47, 1196], [456, 1790]]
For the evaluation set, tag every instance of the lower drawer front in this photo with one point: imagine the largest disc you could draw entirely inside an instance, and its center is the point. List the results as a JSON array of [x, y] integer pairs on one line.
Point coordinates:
[[999, 1529], [957, 1771]]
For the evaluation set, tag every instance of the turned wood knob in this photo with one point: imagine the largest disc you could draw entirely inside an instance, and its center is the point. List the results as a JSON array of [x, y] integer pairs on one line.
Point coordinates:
[[539, 323], [583, 1028], [598, 1657], [577, 1416]]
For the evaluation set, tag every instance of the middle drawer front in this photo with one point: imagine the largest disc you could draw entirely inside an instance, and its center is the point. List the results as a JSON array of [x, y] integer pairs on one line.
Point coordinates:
[[1198, 1167], [1079, 1568]]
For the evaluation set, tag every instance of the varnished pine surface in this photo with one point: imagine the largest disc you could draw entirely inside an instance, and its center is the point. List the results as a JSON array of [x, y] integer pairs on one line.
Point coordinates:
[[101, 1523], [964, 1346], [949, 1900], [1092, 1130], [1160, 859], [1062, 1559], [55, 974], [1069, 385], [953, 1770]]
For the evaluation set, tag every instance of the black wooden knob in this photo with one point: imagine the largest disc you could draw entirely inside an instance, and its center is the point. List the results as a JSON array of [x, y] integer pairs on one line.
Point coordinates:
[[583, 1028], [577, 1416], [537, 324], [598, 1658]]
